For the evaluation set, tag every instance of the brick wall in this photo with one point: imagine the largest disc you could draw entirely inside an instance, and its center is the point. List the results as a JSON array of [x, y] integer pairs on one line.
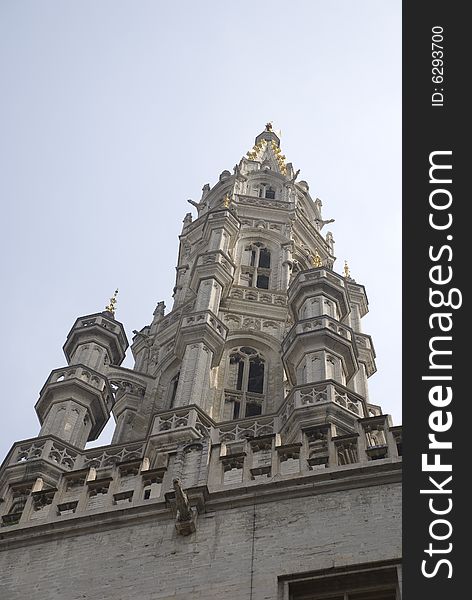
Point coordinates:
[[149, 560]]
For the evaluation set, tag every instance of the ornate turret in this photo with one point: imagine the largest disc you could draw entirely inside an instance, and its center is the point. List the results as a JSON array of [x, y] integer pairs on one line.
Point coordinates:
[[97, 340], [75, 402]]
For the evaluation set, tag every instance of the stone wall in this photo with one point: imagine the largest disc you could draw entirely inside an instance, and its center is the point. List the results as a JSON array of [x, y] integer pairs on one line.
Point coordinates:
[[238, 551]]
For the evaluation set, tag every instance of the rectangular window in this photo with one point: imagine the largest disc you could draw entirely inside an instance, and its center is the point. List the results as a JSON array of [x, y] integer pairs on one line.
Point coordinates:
[[262, 282], [253, 409], [366, 583]]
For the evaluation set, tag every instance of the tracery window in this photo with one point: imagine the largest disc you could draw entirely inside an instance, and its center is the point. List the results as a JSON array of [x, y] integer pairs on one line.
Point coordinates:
[[257, 273], [245, 385]]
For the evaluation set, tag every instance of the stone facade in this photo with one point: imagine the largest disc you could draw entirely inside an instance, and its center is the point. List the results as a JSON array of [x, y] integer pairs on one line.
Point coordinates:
[[247, 459]]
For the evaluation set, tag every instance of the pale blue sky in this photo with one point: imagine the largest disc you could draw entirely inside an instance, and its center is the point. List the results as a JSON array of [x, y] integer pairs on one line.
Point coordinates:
[[113, 113]]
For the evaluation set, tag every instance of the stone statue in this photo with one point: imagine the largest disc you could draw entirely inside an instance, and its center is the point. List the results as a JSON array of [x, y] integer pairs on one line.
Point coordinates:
[[238, 173], [318, 205], [142, 362], [184, 510], [159, 310], [319, 221], [330, 241], [292, 181], [154, 355], [205, 190], [188, 219]]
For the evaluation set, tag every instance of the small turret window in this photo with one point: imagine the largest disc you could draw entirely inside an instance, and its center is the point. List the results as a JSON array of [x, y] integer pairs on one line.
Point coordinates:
[[265, 190], [257, 272]]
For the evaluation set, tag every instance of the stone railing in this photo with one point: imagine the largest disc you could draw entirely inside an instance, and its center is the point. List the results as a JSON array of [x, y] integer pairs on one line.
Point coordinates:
[[364, 341], [112, 455], [320, 273], [257, 295], [185, 416], [56, 452], [123, 386], [314, 323], [321, 393], [47, 449], [205, 317], [102, 321], [264, 202], [243, 453], [244, 429], [261, 458], [78, 372]]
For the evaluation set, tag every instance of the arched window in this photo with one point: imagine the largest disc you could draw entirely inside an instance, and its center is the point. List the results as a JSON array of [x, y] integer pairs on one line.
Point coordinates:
[[257, 272], [245, 385]]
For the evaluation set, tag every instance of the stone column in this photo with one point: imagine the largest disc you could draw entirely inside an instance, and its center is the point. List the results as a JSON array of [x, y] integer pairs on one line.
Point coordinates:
[[194, 380], [208, 296]]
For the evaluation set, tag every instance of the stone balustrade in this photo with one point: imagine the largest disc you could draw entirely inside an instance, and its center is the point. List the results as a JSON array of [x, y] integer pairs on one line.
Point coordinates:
[[78, 372], [239, 292], [316, 323], [103, 321], [264, 202], [321, 393], [67, 457], [244, 453], [205, 317]]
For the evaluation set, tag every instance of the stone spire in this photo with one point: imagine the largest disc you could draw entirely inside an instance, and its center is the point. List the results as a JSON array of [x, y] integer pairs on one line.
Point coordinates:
[[253, 385]]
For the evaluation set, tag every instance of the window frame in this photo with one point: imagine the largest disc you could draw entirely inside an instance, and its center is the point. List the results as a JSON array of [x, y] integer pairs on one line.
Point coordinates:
[[254, 271], [373, 578], [240, 396]]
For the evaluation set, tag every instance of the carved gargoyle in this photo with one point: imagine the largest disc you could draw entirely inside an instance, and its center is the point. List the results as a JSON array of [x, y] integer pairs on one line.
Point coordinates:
[[292, 181], [185, 517], [184, 510]]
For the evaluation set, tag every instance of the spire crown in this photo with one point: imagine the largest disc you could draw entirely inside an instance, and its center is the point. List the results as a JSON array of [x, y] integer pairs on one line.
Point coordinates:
[[268, 135], [112, 305], [267, 149]]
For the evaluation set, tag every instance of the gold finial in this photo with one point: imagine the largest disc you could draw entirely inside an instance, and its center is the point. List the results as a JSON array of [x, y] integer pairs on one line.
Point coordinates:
[[316, 260], [226, 201], [347, 273], [111, 307], [269, 126]]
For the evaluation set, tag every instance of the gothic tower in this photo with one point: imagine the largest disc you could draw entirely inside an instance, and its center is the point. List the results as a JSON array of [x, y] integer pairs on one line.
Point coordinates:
[[245, 422]]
